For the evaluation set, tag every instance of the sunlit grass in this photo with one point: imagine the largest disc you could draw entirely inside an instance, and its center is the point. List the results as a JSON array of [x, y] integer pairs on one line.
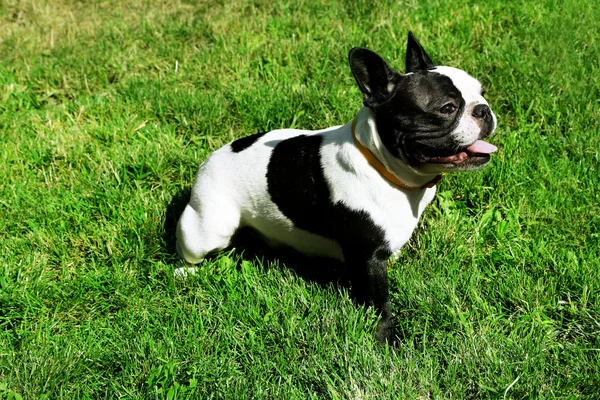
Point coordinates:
[[108, 108]]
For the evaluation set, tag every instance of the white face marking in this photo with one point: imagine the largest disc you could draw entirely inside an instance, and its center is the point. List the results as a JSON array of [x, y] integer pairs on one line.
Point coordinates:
[[468, 129]]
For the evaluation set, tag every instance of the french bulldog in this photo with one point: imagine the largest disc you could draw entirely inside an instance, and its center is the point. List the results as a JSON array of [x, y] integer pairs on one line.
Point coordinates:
[[353, 192]]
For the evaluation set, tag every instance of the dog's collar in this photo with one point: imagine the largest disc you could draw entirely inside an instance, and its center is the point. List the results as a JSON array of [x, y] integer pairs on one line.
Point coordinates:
[[375, 163]]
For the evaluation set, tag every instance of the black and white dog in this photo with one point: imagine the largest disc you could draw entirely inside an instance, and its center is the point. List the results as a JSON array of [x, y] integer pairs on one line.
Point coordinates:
[[353, 192]]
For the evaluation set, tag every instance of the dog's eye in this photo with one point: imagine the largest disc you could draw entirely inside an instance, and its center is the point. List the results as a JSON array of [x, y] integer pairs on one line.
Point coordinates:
[[482, 92], [448, 109]]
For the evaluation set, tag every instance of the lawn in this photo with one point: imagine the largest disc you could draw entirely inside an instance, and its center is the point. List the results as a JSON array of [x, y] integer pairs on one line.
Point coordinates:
[[106, 110]]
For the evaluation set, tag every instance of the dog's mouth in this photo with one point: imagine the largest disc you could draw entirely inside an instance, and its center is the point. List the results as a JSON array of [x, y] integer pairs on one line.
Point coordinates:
[[477, 153]]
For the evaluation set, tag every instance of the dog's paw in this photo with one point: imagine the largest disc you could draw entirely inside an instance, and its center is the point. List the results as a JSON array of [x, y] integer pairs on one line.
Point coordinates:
[[181, 273], [386, 333]]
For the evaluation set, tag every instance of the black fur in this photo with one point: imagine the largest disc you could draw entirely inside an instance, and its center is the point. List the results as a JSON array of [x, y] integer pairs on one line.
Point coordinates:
[[297, 186], [245, 142], [416, 57], [421, 130], [372, 75], [484, 114]]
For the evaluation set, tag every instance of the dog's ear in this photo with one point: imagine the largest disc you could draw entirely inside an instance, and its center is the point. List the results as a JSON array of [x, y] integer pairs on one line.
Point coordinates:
[[374, 77], [416, 58]]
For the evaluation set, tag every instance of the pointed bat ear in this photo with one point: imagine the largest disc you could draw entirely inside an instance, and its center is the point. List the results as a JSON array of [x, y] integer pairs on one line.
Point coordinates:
[[416, 57], [375, 79]]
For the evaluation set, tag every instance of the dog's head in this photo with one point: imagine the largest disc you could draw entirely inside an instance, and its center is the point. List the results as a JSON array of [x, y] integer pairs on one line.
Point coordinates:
[[433, 117]]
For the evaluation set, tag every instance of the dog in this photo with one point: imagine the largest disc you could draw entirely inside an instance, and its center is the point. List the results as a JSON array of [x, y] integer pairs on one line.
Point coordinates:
[[354, 192]]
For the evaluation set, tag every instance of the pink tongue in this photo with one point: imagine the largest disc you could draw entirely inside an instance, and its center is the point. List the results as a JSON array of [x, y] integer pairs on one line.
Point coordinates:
[[481, 147]]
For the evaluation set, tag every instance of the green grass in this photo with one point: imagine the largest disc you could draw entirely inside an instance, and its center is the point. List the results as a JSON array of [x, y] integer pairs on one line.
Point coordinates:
[[106, 111]]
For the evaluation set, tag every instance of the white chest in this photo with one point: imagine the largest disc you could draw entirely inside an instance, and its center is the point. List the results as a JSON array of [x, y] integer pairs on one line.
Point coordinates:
[[359, 187]]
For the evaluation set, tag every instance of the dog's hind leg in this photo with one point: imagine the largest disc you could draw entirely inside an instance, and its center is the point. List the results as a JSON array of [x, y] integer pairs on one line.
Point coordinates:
[[204, 227]]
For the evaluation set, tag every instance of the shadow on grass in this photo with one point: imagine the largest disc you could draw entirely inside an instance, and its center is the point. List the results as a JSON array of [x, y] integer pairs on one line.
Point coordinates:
[[250, 246], [172, 214]]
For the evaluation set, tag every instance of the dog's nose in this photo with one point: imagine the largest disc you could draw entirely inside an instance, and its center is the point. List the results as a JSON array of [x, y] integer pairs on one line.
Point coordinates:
[[482, 111]]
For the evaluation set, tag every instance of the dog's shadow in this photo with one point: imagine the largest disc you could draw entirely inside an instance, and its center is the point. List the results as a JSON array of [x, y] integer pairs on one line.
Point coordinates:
[[172, 214], [248, 245]]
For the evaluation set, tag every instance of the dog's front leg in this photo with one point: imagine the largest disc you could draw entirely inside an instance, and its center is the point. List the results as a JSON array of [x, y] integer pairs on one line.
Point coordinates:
[[369, 280]]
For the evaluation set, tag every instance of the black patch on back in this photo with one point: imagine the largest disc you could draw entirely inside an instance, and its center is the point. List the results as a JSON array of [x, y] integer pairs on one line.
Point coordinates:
[[245, 142], [297, 186]]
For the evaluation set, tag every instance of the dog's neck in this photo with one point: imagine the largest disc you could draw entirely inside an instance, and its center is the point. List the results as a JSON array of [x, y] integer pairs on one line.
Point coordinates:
[[364, 130]]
